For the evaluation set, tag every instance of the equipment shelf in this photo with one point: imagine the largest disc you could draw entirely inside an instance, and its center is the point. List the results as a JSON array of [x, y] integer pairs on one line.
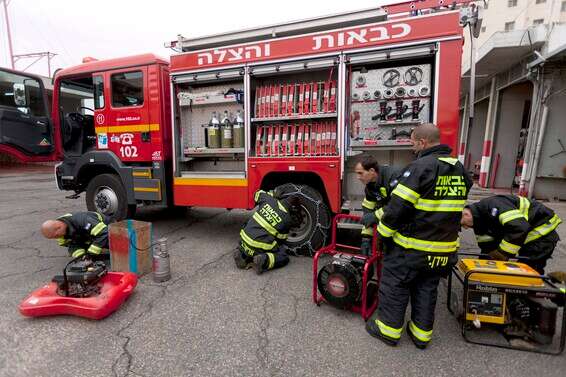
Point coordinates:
[[296, 117]]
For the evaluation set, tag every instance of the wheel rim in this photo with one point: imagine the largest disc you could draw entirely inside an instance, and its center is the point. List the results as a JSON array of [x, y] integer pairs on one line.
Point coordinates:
[[106, 201], [301, 232]]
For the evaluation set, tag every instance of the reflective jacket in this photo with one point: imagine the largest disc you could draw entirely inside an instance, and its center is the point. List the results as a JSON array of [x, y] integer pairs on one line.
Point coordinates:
[[507, 222], [87, 232], [423, 214], [377, 194], [269, 224]]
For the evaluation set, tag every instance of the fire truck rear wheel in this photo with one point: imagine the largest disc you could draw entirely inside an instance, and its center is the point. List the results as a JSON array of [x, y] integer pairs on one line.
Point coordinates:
[[314, 229], [106, 194]]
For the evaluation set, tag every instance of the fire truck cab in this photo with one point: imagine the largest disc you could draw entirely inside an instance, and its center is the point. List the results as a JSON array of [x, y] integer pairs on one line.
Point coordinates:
[[288, 106]]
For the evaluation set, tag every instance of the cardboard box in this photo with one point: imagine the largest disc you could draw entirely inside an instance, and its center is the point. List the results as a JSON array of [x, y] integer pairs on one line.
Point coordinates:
[[130, 246]]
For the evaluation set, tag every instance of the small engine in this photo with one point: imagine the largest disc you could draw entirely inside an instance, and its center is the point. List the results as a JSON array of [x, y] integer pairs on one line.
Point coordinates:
[[340, 280], [80, 278]]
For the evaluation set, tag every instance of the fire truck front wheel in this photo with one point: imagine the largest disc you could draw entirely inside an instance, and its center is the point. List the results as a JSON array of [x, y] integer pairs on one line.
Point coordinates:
[[312, 233], [106, 194]]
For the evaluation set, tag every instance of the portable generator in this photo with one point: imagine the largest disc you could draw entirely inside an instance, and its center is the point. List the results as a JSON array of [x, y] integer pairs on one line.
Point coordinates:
[[512, 299], [347, 280]]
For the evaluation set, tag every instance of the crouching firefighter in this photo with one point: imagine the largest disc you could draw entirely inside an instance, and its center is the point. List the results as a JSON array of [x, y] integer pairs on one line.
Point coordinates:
[[379, 181], [420, 226], [508, 226], [83, 233], [262, 236]]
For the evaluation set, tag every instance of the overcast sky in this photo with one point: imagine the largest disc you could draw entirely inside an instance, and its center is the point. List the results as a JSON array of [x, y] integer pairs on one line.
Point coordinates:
[[105, 29]]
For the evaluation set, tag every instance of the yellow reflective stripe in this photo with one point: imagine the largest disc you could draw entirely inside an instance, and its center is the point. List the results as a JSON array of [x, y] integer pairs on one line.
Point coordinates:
[[484, 238], [524, 205], [367, 231], [257, 194], [368, 204], [425, 245], [384, 230], [97, 229], [388, 330], [93, 249], [508, 247], [78, 253], [281, 206], [422, 335], [507, 216], [257, 244], [99, 216], [544, 229], [443, 205], [268, 227], [379, 213], [271, 260], [406, 193], [62, 241], [449, 160], [65, 215], [383, 191]]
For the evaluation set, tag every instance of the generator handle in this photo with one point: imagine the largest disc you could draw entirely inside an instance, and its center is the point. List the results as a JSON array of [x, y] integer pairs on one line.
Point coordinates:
[[470, 254]]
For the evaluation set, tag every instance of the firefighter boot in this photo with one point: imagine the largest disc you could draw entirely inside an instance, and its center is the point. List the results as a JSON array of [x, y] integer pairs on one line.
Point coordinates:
[[373, 329], [260, 263], [242, 261], [418, 343]]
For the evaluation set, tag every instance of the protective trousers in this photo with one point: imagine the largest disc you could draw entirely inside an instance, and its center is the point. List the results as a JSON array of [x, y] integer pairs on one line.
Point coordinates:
[[539, 251], [276, 258], [399, 283]]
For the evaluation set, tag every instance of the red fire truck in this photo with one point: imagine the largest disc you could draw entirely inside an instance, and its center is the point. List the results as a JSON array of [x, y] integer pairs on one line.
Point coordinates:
[[290, 104]]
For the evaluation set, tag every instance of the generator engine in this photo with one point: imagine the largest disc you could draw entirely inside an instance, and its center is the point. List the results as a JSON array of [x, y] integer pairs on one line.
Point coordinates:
[[512, 297], [80, 278], [340, 281]]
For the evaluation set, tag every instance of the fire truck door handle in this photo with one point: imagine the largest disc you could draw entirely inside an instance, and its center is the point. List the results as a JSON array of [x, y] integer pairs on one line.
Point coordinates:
[[145, 137]]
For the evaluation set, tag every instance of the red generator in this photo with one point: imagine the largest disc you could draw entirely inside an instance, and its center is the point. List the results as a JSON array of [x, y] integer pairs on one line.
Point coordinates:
[[348, 280]]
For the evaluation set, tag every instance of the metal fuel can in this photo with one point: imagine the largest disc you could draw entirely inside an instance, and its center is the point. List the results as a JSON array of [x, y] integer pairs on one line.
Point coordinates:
[[161, 265]]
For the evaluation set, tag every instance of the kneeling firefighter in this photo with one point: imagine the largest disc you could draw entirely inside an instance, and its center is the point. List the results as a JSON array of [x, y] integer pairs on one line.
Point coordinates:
[[508, 225], [261, 237], [83, 233]]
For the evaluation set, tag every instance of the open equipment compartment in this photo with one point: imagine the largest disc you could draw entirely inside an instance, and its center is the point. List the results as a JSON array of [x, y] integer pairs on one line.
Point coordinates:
[[388, 96], [294, 109], [210, 123]]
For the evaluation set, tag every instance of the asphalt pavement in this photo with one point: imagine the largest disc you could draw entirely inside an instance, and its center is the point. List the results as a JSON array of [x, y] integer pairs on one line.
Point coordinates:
[[211, 319]]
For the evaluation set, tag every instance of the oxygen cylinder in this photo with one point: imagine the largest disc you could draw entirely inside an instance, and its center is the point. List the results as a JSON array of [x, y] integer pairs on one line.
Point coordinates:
[[161, 265], [239, 130], [226, 130], [214, 132]]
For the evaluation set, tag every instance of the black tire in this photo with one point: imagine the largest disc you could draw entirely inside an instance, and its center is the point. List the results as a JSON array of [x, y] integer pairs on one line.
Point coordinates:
[[106, 194], [313, 232]]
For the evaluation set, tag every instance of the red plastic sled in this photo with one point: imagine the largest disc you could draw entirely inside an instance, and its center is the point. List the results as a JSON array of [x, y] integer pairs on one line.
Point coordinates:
[[116, 287]]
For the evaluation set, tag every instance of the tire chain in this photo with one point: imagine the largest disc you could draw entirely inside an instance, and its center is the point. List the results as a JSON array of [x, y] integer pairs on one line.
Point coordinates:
[[318, 228]]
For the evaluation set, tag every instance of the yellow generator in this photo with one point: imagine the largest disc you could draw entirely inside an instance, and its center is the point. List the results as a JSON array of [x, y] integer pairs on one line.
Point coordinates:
[[507, 304]]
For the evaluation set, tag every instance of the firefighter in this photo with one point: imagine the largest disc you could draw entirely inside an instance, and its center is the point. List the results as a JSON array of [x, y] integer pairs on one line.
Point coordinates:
[[420, 226], [84, 233], [509, 226], [262, 236], [379, 181]]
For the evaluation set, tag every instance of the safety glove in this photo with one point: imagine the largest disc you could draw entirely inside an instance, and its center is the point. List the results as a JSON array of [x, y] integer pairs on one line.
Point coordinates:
[[498, 255], [558, 276], [365, 247], [369, 219]]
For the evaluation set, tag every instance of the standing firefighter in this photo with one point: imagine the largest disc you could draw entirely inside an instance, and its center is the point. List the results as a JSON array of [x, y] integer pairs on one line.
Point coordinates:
[[508, 225], [82, 232], [261, 236], [379, 181], [420, 225]]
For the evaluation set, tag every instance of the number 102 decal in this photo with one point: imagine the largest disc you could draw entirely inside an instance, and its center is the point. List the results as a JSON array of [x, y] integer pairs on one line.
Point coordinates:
[[129, 151]]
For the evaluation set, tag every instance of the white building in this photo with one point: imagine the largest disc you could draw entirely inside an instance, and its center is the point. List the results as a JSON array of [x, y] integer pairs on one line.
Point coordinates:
[[517, 139]]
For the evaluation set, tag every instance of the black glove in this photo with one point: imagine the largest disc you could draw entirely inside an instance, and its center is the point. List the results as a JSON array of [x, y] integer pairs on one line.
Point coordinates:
[[369, 219], [498, 255], [365, 247]]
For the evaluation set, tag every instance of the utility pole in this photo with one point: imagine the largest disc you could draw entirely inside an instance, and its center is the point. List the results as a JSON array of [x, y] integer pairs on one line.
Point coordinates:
[[9, 34]]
